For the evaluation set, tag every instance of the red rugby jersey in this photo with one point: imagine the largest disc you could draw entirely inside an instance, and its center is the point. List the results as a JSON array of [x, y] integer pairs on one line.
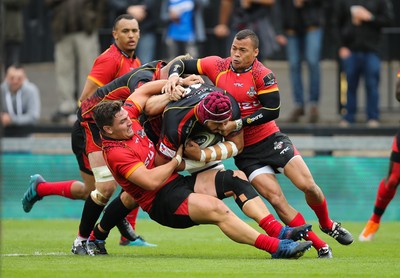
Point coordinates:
[[123, 157], [245, 87], [112, 63]]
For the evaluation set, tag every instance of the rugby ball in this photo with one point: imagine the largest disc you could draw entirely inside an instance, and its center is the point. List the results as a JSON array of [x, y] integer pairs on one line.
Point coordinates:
[[205, 139]]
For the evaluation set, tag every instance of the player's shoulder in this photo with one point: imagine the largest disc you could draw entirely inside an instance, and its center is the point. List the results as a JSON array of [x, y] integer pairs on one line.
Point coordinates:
[[260, 67], [110, 54], [216, 60], [263, 75]]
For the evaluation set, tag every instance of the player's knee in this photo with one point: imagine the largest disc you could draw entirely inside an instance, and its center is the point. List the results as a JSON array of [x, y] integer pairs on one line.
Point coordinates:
[[226, 182], [99, 198], [240, 174], [311, 188], [277, 201], [79, 190], [128, 201], [219, 211]]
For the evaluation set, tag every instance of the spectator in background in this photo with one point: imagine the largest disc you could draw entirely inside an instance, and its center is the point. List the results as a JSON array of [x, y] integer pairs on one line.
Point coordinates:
[[185, 29], [236, 15], [75, 26], [20, 99], [300, 30], [13, 30], [387, 187], [146, 12], [357, 29]]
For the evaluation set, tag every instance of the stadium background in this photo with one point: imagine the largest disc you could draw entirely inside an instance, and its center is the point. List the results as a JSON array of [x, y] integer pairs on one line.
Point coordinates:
[[349, 183]]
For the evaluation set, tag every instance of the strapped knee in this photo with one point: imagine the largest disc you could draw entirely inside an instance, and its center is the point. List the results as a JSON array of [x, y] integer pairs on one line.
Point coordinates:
[[226, 183], [99, 198]]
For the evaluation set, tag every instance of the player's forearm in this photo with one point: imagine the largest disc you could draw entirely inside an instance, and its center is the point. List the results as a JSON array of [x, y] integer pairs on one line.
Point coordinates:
[[156, 177], [155, 105]]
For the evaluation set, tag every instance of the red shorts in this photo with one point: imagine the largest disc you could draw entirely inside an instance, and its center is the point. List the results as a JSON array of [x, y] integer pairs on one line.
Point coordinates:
[[92, 137], [78, 147]]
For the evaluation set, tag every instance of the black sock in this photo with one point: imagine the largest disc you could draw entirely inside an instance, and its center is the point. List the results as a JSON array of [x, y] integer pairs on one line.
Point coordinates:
[[115, 212], [90, 214], [99, 234]]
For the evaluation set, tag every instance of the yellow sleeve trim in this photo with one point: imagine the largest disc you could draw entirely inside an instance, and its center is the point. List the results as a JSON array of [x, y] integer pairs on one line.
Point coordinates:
[[133, 169], [200, 70], [268, 91], [219, 75], [98, 83]]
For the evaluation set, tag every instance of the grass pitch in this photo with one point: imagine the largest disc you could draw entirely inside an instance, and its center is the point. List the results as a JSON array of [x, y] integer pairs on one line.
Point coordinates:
[[41, 248]]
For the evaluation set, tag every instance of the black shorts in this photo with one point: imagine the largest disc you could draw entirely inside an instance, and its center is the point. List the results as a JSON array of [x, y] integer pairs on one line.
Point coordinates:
[[169, 199], [78, 147], [274, 151]]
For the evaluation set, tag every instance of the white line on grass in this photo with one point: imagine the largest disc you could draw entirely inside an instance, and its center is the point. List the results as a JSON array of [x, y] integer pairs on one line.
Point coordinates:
[[37, 254]]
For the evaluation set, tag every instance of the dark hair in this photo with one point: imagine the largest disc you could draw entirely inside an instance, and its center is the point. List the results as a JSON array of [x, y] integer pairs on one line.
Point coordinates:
[[247, 33], [104, 113], [122, 16]]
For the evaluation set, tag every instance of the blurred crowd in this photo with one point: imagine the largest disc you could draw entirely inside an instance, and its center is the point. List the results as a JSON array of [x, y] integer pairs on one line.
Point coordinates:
[[298, 31]]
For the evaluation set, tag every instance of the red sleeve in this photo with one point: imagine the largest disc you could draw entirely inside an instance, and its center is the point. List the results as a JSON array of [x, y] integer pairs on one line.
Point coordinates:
[[104, 69], [133, 109], [265, 79], [123, 162], [211, 66]]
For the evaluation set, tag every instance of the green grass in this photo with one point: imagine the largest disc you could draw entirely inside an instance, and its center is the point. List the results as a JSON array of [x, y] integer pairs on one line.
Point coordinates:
[[41, 248]]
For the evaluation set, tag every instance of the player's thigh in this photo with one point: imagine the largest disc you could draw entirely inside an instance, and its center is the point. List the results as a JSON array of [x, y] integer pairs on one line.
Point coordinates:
[[96, 159], [205, 183], [204, 209], [267, 185], [104, 180], [88, 180], [299, 173]]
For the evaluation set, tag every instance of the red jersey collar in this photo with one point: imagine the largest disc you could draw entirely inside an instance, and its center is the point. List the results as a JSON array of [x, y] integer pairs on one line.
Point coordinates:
[[246, 70], [124, 53]]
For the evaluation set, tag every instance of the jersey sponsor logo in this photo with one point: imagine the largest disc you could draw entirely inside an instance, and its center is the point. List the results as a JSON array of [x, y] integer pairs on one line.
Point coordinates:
[[248, 105], [177, 68], [253, 119], [149, 158], [141, 133], [251, 93], [240, 85], [278, 145], [269, 79], [166, 151], [284, 150]]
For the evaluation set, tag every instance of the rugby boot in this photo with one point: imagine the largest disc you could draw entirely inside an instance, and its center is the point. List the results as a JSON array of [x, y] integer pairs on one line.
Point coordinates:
[[289, 249], [79, 247], [139, 241], [31, 196], [294, 233], [96, 247], [339, 233], [325, 252], [369, 231]]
